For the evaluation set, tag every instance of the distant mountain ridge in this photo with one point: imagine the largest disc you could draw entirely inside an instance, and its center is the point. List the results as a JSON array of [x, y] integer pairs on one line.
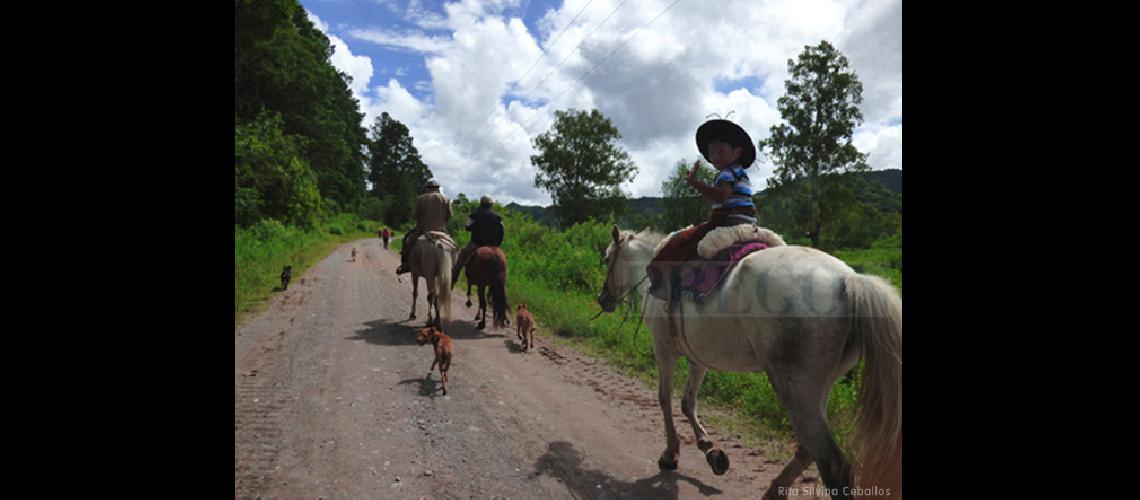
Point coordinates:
[[652, 205]]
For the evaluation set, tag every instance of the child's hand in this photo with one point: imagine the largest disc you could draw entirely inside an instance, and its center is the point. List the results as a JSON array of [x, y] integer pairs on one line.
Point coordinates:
[[692, 178]]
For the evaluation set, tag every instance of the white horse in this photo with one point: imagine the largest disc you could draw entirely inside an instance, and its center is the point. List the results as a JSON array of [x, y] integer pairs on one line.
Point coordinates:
[[802, 317], [432, 258]]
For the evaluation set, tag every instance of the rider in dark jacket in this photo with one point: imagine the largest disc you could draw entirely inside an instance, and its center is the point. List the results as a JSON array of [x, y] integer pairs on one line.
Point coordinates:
[[486, 228]]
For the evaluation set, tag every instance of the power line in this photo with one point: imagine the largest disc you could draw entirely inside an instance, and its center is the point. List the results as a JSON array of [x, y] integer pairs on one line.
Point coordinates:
[[563, 59], [463, 142], [581, 80]]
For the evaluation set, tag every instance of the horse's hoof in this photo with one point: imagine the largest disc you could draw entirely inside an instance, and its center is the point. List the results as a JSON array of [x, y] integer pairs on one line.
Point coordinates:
[[468, 303], [413, 316], [704, 445], [481, 326], [718, 461], [667, 464]]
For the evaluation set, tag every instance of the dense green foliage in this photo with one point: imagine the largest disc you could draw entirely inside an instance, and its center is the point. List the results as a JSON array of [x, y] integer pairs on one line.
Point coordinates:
[[820, 111], [282, 68], [581, 165]]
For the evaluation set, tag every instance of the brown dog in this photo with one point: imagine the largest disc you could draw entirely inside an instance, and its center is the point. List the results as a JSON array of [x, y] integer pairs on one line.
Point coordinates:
[[354, 254], [442, 346], [524, 324]]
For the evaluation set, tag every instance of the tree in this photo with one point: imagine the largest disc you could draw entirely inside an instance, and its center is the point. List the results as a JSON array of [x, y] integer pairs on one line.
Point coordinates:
[[683, 204], [821, 108], [582, 166], [397, 173], [271, 180], [863, 212], [281, 64]]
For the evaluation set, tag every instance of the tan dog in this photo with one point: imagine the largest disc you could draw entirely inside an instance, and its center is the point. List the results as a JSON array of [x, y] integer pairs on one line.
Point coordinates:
[[442, 346], [524, 324]]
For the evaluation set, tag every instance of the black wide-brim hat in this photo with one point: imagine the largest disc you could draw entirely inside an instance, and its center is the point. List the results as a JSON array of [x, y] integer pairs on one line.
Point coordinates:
[[729, 133]]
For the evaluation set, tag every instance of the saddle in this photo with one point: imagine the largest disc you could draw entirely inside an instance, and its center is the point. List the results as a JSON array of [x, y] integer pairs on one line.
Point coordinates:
[[441, 237], [719, 252]]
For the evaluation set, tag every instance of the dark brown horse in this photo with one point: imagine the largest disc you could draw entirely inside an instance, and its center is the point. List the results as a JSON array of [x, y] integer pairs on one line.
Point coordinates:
[[488, 268]]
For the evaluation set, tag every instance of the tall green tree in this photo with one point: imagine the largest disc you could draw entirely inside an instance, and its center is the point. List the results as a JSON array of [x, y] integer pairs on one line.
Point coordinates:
[[397, 172], [821, 111], [271, 179], [582, 166], [281, 64], [683, 204]]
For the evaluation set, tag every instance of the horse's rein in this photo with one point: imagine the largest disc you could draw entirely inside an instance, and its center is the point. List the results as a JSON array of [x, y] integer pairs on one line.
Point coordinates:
[[623, 297]]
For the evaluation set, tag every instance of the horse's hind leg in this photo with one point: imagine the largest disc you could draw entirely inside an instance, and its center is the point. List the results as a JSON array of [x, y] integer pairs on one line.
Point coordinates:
[[469, 296], [778, 490], [482, 307], [804, 396], [438, 318], [714, 456], [415, 294]]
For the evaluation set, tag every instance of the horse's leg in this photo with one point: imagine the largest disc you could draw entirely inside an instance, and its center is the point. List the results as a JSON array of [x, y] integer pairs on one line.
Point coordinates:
[[415, 294], [469, 296], [666, 354], [429, 282], [803, 392], [715, 456], [482, 306], [778, 490], [438, 318]]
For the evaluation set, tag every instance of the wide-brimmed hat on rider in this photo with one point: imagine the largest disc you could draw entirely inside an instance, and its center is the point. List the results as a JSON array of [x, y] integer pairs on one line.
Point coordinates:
[[729, 133], [432, 184]]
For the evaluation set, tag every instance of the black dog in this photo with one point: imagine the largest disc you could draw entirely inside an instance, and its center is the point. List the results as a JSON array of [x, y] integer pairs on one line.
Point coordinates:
[[286, 275]]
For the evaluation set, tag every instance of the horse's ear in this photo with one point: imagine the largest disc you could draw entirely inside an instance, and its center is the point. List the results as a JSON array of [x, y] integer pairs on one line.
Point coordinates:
[[616, 233]]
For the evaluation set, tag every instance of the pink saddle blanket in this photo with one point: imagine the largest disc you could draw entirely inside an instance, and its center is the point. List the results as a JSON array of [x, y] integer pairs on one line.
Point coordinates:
[[701, 276]]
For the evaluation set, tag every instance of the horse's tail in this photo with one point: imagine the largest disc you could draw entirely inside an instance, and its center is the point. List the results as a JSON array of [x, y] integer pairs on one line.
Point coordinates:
[[443, 284], [876, 309], [498, 287]]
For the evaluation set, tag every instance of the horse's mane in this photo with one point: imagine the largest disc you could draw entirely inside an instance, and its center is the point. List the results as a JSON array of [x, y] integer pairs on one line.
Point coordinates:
[[665, 240], [646, 236]]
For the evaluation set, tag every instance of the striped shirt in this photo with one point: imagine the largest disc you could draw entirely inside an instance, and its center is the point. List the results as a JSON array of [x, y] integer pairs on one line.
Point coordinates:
[[741, 195]]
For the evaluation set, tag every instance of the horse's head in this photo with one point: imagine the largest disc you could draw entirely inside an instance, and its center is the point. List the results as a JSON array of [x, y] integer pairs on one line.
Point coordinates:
[[618, 276]]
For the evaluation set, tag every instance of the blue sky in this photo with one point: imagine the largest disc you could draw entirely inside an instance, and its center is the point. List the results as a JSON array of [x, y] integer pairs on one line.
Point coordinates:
[[408, 65], [465, 75]]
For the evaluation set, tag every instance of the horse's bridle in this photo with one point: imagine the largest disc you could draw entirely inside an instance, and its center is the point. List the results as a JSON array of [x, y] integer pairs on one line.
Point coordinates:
[[610, 272]]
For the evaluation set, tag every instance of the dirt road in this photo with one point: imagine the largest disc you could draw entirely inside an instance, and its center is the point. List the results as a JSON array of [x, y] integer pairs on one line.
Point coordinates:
[[332, 400]]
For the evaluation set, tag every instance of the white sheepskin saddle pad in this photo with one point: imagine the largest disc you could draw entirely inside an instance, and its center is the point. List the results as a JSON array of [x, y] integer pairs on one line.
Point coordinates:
[[444, 238], [723, 237]]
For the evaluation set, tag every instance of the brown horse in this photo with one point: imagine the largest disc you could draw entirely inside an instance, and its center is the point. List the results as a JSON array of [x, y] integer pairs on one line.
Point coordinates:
[[488, 268]]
